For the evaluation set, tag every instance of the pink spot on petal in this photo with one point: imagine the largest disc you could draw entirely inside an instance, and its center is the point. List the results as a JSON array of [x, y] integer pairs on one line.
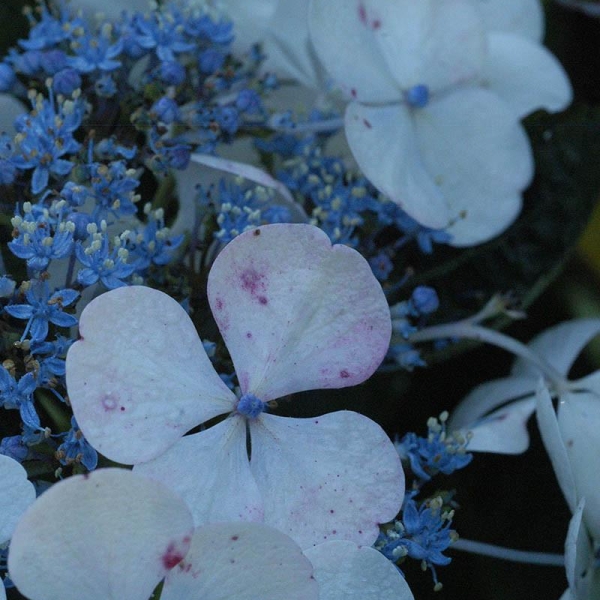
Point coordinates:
[[109, 401], [376, 24], [262, 300], [219, 304], [235, 538], [171, 557], [344, 374], [362, 13], [248, 335], [367, 124]]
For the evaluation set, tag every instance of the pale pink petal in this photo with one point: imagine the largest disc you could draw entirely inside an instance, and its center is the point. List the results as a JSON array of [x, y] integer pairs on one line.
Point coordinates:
[[346, 47], [437, 43], [489, 396], [521, 17], [477, 152], [525, 75], [210, 471], [345, 571], [559, 345], [555, 446], [119, 536], [504, 431], [332, 477], [16, 494], [383, 142], [139, 377], [296, 312], [245, 561], [579, 424]]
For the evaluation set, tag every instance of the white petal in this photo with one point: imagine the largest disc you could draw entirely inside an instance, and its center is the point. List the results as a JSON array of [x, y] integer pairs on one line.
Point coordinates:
[[296, 312], [579, 424], [251, 20], [504, 431], [577, 550], [382, 140], [120, 536], [139, 377], [210, 471], [332, 477], [478, 154], [345, 571], [525, 75], [437, 43], [16, 494], [559, 345], [245, 561], [553, 441], [2, 591], [488, 396], [10, 109], [521, 17], [347, 49]]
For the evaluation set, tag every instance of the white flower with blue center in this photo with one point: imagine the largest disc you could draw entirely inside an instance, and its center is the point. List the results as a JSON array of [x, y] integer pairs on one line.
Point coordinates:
[[437, 89], [296, 314]]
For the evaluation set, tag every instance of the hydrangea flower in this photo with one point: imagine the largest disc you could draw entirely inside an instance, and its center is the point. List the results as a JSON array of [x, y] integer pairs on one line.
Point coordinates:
[[296, 314], [126, 532], [496, 413], [435, 105]]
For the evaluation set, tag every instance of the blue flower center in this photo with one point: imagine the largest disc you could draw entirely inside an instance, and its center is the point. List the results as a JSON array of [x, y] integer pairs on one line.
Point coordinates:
[[417, 96], [250, 406]]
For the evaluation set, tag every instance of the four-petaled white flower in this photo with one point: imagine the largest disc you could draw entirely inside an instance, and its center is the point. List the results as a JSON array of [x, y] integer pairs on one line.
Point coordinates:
[[296, 314], [437, 89], [124, 533]]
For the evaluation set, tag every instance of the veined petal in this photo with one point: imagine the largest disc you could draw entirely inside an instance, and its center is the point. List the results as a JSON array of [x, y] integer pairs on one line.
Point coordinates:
[[210, 471], [555, 446], [296, 312], [488, 396], [437, 43], [579, 424], [559, 345], [122, 535], [16, 494], [521, 17], [345, 571], [245, 561], [504, 431], [525, 75], [474, 148], [332, 477], [139, 377], [346, 47], [383, 142]]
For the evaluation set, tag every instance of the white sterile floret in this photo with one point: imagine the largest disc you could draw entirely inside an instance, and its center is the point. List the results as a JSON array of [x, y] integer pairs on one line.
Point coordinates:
[[436, 100], [296, 313], [16, 494]]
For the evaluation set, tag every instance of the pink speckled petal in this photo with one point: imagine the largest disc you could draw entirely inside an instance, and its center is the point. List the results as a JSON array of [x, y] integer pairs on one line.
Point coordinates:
[[345, 571], [16, 494], [296, 312], [120, 536], [139, 377], [332, 477], [245, 561], [210, 471]]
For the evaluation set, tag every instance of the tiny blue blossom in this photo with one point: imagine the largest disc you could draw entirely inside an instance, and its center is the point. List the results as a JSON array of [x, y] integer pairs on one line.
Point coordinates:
[[76, 449]]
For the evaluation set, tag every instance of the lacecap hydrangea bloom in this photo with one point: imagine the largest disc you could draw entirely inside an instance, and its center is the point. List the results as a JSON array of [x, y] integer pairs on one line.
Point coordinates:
[[437, 89], [296, 313]]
